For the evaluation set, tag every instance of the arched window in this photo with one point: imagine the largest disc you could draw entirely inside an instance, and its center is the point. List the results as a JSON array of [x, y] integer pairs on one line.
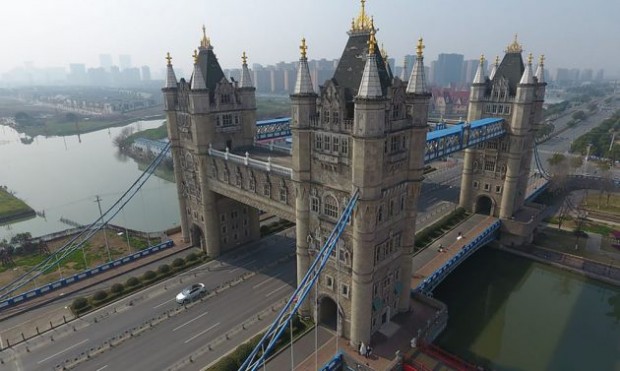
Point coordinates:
[[330, 206]]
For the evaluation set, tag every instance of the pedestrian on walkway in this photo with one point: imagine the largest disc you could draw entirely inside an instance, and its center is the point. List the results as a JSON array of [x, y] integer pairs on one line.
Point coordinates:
[[459, 236], [362, 349], [440, 249]]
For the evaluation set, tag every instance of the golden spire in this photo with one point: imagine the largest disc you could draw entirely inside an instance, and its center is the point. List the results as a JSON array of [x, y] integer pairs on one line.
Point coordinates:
[[372, 42], [530, 58], [195, 55], [362, 22], [244, 58], [303, 48], [541, 61], [420, 47], [515, 47], [497, 60], [205, 42], [169, 59], [482, 59]]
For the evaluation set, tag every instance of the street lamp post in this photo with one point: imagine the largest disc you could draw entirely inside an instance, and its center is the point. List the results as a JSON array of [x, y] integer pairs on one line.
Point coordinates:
[[105, 235]]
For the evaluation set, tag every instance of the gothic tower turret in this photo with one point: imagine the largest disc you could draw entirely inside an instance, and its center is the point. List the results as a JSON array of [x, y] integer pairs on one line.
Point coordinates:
[[303, 113]]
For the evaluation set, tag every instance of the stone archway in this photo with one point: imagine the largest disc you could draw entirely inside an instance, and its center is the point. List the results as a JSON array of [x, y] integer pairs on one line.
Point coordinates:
[[484, 205], [328, 313], [197, 237]]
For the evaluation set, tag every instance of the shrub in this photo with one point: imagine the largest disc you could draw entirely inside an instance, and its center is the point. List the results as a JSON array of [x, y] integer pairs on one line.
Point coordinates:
[[242, 352], [132, 281], [79, 303], [149, 275], [226, 364], [191, 257], [163, 269], [117, 288], [100, 295], [178, 262]]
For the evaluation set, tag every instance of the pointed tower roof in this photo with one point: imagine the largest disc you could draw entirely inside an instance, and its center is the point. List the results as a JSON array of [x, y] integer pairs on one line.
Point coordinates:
[[403, 73], [511, 68], [303, 85], [207, 62], [198, 80], [528, 74], [246, 81], [171, 79], [480, 78], [352, 63], [494, 68], [370, 86], [540, 70], [417, 80]]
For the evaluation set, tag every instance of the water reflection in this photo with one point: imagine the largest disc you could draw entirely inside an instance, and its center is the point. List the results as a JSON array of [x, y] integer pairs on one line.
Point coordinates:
[[510, 313], [60, 176]]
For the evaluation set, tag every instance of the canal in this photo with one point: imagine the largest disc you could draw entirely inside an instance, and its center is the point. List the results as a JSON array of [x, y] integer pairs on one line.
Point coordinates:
[[61, 177], [511, 313]]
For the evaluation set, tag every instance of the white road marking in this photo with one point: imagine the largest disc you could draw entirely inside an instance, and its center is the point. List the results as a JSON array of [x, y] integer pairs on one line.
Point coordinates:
[[190, 321], [201, 333], [104, 367], [243, 266], [62, 351], [267, 280], [276, 290], [165, 302]]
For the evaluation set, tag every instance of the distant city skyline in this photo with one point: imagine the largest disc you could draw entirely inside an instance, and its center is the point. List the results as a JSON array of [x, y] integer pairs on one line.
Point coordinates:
[[270, 31]]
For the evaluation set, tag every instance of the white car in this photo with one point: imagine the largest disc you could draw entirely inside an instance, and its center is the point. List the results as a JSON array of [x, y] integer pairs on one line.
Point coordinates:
[[191, 293]]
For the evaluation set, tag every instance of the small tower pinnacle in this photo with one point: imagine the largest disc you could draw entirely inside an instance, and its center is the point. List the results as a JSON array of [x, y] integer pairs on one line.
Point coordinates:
[[370, 86], [246, 81], [417, 80], [528, 75], [205, 42], [171, 79], [540, 70], [480, 78], [515, 47], [198, 80], [494, 68], [303, 85]]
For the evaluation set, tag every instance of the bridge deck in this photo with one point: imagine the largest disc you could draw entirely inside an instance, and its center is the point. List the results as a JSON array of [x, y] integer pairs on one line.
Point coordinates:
[[430, 260], [262, 154]]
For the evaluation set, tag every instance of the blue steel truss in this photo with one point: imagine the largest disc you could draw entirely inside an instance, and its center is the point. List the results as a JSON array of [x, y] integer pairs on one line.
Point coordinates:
[[273, 128], [441, 143], [257, 358], [488, 235], [81, 238]]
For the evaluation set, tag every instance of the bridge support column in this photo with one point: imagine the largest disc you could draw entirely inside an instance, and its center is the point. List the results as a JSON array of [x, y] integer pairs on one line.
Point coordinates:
[[465, 197], [211, 223], [509, 195], [185, 230], [361, 280], [301, 245]]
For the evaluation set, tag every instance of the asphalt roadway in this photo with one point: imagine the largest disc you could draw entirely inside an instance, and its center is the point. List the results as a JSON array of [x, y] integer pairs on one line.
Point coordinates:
[[185, 332]]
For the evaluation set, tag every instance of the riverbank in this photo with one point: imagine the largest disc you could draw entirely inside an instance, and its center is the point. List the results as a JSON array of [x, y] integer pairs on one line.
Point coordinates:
[[12, 208], [607, 273]]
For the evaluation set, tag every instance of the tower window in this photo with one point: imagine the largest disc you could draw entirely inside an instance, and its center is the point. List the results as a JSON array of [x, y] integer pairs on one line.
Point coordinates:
[[336, 144], [318, 141], [314, 204], [336, 118], [345, 146], [344, 289], [489, 165], [327, 144], [326, 117], [330, 206]]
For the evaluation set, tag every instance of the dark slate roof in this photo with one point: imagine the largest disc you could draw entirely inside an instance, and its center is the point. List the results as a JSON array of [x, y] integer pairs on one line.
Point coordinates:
[[351, 65], [511, 68], [210, 68]]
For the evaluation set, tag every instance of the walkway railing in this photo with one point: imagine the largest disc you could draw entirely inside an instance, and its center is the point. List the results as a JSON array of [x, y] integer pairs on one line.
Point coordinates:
[[253, 163], [489, 234]]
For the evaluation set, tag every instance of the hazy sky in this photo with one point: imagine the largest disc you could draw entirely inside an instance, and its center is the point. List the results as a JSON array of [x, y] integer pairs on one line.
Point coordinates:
[[571, 33]]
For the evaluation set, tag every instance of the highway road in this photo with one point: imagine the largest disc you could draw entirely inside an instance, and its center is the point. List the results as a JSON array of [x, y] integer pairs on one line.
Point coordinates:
[[182, 333]]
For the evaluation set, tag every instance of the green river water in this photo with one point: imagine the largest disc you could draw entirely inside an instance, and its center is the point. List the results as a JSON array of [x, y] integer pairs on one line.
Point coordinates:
[[511, 313]]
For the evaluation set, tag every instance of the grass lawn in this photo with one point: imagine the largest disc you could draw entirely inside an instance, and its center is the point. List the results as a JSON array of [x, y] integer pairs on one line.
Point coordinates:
[[11, 205], [597, 201], [565, 241]]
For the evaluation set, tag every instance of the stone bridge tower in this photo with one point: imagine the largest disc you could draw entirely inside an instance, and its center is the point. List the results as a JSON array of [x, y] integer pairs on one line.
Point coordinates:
[[366, 130], [496, 173], [209, 112]]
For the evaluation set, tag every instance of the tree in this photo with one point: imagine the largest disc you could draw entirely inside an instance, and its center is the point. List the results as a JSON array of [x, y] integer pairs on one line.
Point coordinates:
[[122, 140], [556, 159], [579, 115]]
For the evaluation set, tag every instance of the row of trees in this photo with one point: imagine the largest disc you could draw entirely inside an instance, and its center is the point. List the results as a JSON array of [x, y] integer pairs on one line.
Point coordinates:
[[21, 245], [600, 139]]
